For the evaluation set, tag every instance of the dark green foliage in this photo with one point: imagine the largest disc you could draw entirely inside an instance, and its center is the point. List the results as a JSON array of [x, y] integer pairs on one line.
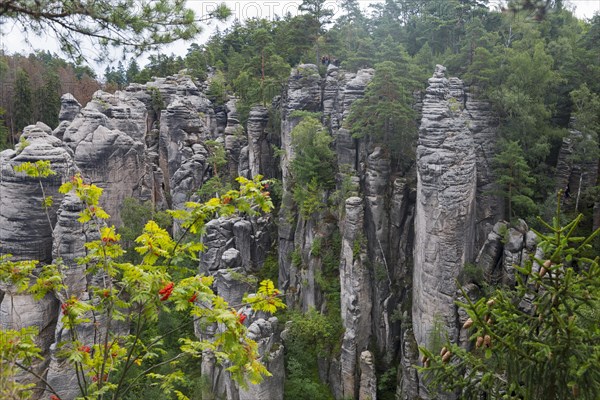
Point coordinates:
[[513, 176], [160, 65], [385, 115], [313, 158], [133, 70], [217, 157], [387, 384], [47, 100], [213, 187], [471, 273], [132, 26], [586, 116], [270, 268], [3, 126], [328, 279], [146, 387], [116, 76], [217, 89], [156, 101], [22, 101], [195, 62], [313, 165], [3, 131], [311, 335]]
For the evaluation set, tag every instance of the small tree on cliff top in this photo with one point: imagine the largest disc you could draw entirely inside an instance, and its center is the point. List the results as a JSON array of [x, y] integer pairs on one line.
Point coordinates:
[[385, 115], [540, 340], [111, 362]]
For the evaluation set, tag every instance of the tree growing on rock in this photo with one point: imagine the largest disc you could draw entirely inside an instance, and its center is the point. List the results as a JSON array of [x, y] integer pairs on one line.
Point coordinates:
[[313, 165], [385, 115]]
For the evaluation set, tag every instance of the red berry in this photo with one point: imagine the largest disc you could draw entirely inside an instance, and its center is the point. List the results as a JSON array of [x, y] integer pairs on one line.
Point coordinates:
[[166, 291], [85, 349]]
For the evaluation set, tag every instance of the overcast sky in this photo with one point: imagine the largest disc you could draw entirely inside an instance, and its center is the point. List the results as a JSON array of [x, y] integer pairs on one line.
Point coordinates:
[[12, 40]]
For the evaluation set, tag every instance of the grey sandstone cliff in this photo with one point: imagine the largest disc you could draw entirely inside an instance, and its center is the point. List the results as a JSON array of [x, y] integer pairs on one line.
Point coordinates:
[[445, 214], [404, 235], [26, 231]]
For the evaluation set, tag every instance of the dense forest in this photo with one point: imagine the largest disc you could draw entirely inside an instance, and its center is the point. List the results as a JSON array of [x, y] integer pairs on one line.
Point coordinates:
[[534, 63], [538, 66]]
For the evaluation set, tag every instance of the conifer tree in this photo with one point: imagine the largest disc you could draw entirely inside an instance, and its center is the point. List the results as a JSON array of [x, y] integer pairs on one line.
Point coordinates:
[[3, 126], [22, 102], [3, 131], [48, 100], [513, 176], [138, 25], [133, 70], [385, 115]]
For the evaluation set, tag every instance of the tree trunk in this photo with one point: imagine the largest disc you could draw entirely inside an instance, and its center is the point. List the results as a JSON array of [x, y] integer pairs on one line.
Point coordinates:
[[578, 192]]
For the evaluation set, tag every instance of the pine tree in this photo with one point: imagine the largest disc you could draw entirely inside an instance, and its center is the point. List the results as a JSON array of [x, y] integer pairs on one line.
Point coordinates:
[[22, 102], [313, 165], [3, 131], [195, 62], [3, 126], [132, 72], [513, 176], [132, 25], [318, 15], [385, 115], [48, 100]]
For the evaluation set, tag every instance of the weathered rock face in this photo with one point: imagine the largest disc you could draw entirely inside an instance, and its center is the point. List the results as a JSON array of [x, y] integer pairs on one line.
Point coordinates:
[[445, 211], [25, 227], [576, 172], [368, 381], [235, 143], [26, 231], [69, 107], [483, 125], [356, 296], [303, 93], [266, 334], [260, 153], [116, 141], [234, 248], [19, 311], [107, 137]]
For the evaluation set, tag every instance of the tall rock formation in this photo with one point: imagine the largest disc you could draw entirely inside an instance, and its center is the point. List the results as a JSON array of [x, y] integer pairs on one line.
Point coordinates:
[[356, 299], [404, 235], [445, 211]]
